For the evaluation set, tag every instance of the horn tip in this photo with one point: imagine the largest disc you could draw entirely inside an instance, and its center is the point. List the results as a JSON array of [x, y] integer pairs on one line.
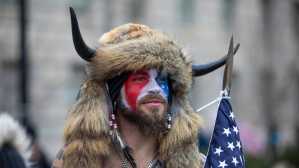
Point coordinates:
[[236, 48], [238, 45], [72, 11]]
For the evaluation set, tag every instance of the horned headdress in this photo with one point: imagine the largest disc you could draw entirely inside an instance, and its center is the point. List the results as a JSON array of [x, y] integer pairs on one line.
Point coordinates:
[[126, 49]]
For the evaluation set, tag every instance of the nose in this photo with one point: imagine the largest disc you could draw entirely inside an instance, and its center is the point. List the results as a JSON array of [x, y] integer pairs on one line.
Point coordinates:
[[154, 88]]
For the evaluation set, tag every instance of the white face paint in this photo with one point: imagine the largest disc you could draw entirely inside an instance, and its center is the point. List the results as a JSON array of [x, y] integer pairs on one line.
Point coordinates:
[[123, 96], [152, 85]]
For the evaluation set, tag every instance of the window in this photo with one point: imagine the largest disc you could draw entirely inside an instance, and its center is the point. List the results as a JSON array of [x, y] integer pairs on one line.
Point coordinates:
[[228, 13], [79, 5], [186, 11], [137, 9], [10, 2]]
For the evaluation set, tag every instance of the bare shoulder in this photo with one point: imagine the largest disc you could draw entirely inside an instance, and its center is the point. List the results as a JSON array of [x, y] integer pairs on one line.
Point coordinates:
[[202, 159], [58, 161]]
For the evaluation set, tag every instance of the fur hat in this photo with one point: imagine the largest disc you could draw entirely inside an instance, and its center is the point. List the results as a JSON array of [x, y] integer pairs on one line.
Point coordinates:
[[125, 49]]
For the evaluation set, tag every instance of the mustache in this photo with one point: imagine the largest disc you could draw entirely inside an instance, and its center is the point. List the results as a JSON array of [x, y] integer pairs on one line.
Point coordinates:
[[152, 96]]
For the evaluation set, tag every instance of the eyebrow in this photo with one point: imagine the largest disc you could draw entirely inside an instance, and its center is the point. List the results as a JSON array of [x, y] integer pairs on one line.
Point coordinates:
[[140, 73]]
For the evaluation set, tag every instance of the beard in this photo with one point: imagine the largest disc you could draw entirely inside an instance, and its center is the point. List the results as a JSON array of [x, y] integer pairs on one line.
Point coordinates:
[[146, 124]]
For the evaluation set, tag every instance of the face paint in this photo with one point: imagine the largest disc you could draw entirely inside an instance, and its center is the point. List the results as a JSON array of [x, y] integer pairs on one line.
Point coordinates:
[[134, 85], [142, 83], [162, 81]]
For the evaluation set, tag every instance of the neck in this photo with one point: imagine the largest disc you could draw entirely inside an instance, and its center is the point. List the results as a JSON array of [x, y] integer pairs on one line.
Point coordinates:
[[144, 146]]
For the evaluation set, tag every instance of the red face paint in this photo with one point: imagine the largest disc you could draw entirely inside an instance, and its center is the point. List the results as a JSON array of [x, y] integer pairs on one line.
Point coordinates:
[[134, 85]]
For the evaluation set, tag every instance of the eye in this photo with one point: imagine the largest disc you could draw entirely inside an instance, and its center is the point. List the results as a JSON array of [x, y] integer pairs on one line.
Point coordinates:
[[161, 79], [140, 79]]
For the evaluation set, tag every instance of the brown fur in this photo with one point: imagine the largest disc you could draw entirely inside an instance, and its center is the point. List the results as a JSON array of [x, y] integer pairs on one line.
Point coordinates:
[[127, 30], [86, 127], [129, 48]]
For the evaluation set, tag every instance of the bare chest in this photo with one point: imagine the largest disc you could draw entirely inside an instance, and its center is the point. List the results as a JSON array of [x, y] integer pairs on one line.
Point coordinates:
[[114, 162]]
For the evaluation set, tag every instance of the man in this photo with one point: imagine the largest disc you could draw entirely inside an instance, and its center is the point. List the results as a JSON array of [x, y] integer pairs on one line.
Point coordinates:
[[132, 109]]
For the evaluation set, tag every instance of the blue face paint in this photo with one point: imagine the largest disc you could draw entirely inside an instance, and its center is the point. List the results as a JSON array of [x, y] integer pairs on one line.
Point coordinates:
[[162, 81]]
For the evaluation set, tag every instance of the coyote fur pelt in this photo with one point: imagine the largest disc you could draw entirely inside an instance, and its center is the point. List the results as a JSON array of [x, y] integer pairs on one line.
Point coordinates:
[[129, 48]]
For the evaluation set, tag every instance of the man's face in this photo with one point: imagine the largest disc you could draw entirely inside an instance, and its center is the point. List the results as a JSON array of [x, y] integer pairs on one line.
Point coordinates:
[[145, 89], [143, 101]]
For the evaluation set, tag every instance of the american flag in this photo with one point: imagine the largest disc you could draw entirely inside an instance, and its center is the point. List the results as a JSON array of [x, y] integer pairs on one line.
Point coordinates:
[[225, 146]]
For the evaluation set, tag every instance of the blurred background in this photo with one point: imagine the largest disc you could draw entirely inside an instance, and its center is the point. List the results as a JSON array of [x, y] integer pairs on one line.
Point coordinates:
[[41, 73]]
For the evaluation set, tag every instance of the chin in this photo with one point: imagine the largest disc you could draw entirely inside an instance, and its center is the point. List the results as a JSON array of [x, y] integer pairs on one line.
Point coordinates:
[[150, 120], [149, 110]]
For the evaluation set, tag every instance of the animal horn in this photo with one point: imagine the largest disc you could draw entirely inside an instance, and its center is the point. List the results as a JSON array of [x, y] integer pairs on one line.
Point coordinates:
[[202, 69], [82, 49]]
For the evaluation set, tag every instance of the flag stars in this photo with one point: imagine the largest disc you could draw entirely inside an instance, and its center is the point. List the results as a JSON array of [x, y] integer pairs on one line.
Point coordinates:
[[239, 144], [226, 131], [235, 160], [232, 115], [218, 151], [225, 149], [236, 129], [231, 146], [222, 164]]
